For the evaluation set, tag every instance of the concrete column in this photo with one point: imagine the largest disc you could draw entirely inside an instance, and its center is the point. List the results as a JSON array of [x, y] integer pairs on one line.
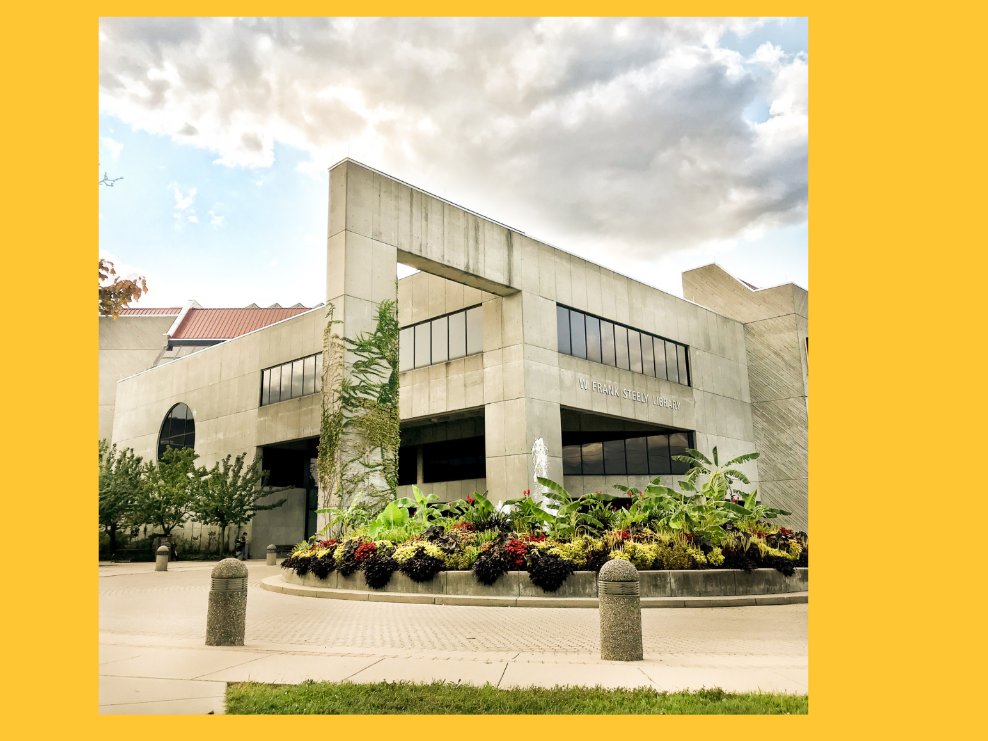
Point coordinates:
[[525, 406], [419, 465], [161, 559], [226, 619], [620, 612], [272, 554], [361, 273]]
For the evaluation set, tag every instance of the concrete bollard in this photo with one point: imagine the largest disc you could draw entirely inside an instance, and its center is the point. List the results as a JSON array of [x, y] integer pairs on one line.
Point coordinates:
[[161, 558], [272, 555], [226, 620], [620, 612]]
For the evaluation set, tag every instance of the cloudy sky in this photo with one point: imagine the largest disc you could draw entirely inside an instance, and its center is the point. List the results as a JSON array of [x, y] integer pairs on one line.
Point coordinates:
[[649, 146]]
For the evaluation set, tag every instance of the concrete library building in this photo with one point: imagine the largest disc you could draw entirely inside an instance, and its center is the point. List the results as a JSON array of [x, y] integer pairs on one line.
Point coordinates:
[[504, 340]]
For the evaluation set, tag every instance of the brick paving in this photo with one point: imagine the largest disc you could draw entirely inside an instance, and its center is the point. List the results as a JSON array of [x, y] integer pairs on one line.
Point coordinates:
[[136, 601]]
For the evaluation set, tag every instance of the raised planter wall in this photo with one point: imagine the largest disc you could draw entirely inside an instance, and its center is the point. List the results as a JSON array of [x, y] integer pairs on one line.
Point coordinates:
[[579, 585]]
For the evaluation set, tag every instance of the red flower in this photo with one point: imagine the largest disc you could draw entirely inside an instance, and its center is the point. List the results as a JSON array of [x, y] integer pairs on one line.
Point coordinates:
[[470, 499], [326, 543], [516, 551], [364, 551]]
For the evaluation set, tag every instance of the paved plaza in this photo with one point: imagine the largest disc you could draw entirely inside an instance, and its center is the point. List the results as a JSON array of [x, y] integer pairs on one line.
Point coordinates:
[[153, 658]]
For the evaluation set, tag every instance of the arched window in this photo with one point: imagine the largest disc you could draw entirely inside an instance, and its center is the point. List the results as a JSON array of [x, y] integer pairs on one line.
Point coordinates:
[[178, 430]]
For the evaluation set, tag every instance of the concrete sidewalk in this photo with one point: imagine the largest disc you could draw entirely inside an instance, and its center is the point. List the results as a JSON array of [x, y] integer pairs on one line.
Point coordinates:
[[158, 675]]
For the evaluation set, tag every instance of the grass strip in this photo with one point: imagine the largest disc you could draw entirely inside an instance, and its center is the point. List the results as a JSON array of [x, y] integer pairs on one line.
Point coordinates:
[[438, 698]]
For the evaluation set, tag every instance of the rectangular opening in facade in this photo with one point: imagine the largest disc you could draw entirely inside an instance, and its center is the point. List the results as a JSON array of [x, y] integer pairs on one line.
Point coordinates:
[[597, 445], [448, 447]]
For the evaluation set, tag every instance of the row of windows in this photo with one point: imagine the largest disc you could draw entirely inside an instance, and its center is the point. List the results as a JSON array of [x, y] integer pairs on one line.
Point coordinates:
[[637, 456], [291, 380], [585, 336], [446, 338]]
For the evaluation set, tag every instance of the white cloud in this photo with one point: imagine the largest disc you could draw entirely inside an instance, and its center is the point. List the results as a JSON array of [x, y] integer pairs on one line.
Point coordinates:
[[182, 202], [621, 135], [215, 219], [193, 218], [113, 147], [272, 264], [124, 270]]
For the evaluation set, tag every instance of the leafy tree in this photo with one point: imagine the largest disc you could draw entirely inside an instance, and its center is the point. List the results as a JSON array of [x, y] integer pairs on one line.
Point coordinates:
[[121, 480], [117, 295], [172, 488], [229, 494]]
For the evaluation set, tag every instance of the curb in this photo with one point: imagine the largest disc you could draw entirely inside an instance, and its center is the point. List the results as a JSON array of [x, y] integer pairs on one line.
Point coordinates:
[[279, 585]]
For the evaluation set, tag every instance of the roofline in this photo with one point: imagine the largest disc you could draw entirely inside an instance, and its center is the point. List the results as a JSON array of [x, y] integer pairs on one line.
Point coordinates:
[[422, 190], [190, 304], [224, 342], [746, 285]]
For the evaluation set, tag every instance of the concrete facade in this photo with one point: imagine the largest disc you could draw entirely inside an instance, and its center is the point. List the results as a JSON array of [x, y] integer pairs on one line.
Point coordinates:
[[127, 345], [515, 389], [776, 330]]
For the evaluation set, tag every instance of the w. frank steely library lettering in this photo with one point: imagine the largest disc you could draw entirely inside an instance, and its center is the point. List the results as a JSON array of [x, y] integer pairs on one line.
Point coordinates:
[[639, 396]]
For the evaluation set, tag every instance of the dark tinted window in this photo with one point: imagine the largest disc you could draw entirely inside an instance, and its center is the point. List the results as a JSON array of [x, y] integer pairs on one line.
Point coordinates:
[[658, 455], [578, 334], [286, 382], [562, 329], [637, 455], [309, 384], [265, 387], [678, 442], [275, 385], [660, 358], [454, 460], [178, 430], [297, 374], [672, 363], [593, 459], [593, 339], [635, 350], [408, 465], [683, 373], [571, 460], [318, 373], [648, 359], [614, 462], [621, 346], [607, 343]]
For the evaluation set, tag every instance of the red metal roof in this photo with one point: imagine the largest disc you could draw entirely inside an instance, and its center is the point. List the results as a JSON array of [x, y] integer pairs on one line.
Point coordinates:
[[174, 311], [225, 324]]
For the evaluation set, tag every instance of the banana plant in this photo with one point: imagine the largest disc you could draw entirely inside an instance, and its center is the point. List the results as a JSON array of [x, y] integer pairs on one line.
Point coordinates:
[[752, 510], [570, 518], [720, 482]]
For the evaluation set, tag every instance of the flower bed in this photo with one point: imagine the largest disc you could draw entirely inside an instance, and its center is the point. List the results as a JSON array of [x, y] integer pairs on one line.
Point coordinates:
[[708, 526], [548, 561]]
